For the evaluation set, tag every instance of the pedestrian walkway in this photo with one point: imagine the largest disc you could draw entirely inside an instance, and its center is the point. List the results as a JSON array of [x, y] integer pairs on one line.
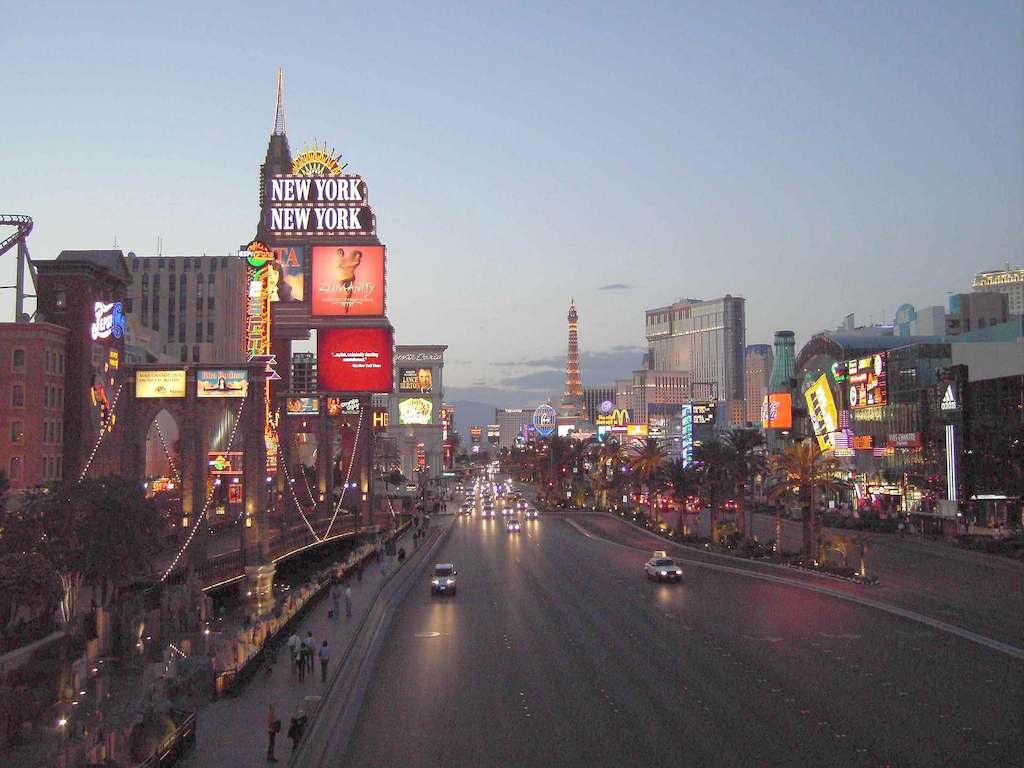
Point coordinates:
[[233, 731]]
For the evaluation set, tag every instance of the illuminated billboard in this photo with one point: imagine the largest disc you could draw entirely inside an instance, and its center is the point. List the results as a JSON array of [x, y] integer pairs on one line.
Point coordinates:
[[703, 414], [777, 411], [866, 381], [636, 430], [415, 380], [348, 281], [336, 406], [474, 434], [822, 410], [288, 281], [380, 419], [108, 320], [318, 205], [615, 417], [302, 406], [415, 410], [231, 382], [160, 383], [354, 359], [545, 419]]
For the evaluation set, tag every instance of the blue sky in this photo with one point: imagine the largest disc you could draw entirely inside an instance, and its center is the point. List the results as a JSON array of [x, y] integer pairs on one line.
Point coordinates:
[[818, 159]]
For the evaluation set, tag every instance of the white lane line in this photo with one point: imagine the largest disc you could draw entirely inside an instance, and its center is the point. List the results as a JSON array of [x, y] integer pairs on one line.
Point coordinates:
[[996, 645]]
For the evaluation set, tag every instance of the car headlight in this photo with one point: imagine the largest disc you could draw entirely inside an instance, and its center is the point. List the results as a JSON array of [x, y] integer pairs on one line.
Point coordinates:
[[436, 582], [663, 573]]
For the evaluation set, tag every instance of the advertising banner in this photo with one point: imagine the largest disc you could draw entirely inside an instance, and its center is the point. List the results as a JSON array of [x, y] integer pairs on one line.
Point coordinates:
[[544, 419], [230, 382], [336, 406], [318, 205], [904, 440], [348, 280], [419, 380], [636, 430], [866, 380], [415, 410], [160, 383], [777, 411], [616, 417], [355, 359], [302, 406], [703, 414], [821, 408], [380, 419], [289, 278]]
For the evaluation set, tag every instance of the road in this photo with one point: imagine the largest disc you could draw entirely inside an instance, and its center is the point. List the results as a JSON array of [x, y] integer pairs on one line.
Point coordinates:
[[557, 651]]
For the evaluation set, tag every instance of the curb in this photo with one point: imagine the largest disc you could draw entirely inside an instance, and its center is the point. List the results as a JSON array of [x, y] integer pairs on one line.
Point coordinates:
[[904, 613], [344, 697]]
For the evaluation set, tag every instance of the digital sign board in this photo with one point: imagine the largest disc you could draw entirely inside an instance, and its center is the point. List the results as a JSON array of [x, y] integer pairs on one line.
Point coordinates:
[[545, 419], [226, 382], [474, 434], [866, 381], [380, 419], [160, 383], [821, 408], [302, 406], [419, 380], [336, 406], [321, 206], [288, 280], [108, 321], [415, 410], [703, 414], [616, 417], [347, 281], [777, 411], [354, 359]]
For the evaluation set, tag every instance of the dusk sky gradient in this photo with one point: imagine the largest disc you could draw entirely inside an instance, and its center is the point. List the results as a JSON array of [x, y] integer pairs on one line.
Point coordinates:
[[818, 159]]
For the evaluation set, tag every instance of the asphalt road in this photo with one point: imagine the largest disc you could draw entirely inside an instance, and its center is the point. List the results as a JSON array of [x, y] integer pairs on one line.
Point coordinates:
[[557, 651]]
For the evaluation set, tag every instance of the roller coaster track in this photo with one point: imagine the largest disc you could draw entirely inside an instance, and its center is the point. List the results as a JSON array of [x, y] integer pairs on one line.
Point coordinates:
[[22, 229]]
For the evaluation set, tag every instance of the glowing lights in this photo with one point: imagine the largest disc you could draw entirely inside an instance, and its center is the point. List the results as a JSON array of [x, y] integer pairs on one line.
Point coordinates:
[[99, 438], [348, 474]]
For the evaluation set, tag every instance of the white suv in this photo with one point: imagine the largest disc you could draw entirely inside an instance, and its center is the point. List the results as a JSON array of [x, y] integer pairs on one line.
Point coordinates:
[[443, 580]]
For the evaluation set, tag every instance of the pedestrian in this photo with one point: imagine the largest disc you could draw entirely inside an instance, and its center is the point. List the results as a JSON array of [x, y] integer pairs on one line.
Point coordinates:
[[901, 527], [310, 648], [401, 555], [348, 602], [359, 572], [297, 728], [273, 726], [293, 650], [325, 656], [335, 600]]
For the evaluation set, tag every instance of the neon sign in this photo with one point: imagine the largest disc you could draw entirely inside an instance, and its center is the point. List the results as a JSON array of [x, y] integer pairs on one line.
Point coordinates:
[[109, 321]]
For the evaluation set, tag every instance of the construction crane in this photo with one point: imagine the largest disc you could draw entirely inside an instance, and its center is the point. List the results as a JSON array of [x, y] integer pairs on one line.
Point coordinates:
[[22, 229]]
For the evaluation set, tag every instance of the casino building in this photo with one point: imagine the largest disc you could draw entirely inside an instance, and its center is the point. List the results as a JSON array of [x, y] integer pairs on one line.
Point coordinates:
[[417, 421]]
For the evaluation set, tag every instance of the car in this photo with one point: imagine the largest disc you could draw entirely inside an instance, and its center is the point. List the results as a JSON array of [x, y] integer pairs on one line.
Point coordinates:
[[507, 512], [531, 513], [521, 504], [443, 580], [662, 568], [467, 509], [513, 526], [487, 514]]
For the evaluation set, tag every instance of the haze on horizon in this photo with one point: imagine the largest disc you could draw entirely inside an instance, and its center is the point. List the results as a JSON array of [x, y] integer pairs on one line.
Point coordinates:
[[816, 160]]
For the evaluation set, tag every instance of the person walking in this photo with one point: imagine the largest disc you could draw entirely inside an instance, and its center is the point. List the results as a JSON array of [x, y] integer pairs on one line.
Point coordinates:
[[325, 656], [273, 726], [297, 728], [293, 650], [359, 572], [348, 602], [335, 600], [310, 648]]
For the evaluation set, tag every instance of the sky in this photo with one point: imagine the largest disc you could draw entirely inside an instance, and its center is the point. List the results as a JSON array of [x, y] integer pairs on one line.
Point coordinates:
[[816, 158]]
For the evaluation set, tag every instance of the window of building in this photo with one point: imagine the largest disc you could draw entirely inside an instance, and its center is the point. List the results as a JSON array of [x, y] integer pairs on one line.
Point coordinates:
[[46, 432], [60, 433], [195, 353], [188, 265], [17, 431], [135, 265], [60, 299], [211, 277], [17, 395], [145, 265], [47, 396], [60, 398], [49, 362], [209, 331], [18, 360], [199, 330], [60, 468], [46, 467], [209, 303], [14, 468], [128, 304], [60, 363], [184, 352], [160, 263], [172, 265]]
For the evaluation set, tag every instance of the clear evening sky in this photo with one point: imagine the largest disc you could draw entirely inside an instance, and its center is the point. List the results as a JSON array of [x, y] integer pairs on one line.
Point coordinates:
[[818, 159]]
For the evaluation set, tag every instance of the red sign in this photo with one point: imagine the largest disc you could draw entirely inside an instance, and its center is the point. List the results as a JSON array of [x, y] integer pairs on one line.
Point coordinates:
[[348, 280], [904, 440], [777, 411], [354, 359]]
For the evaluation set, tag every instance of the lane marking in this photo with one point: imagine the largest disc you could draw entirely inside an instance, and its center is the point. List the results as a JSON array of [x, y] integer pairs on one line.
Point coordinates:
[[428, 634], [942, 626]]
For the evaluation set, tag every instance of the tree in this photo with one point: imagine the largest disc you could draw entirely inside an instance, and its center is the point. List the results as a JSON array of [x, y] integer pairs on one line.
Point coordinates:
[[610, 460], [26, 581], [747, 444], [646, 463], [683, 482], [719, 468], [800, 471]]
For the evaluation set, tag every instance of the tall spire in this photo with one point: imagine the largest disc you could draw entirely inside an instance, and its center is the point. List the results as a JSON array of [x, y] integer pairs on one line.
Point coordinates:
[[572, 400], [279, 113]]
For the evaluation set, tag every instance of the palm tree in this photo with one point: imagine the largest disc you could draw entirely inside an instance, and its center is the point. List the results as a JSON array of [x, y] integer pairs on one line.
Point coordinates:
[[800, 471], [611, 457], [683, 482], [719, 469], [646, 462], [747, 443]]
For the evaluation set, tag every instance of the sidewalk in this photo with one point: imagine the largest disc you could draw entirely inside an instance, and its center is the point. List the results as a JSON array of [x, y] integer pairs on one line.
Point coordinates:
[[233, 731]]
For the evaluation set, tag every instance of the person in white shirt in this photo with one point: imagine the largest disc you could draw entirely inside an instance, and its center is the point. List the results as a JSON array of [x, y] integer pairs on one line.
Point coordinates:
[[293, 650]]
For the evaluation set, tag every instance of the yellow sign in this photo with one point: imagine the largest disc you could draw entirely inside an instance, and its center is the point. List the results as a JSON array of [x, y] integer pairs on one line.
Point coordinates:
[[822, 410], [636, 430], [318, 161], [160, 383], [617, 418]]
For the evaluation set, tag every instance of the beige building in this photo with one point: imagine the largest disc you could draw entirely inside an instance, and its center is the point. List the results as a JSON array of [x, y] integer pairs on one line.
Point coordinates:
[[1008, 281], [758, 370], [191, 308]]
